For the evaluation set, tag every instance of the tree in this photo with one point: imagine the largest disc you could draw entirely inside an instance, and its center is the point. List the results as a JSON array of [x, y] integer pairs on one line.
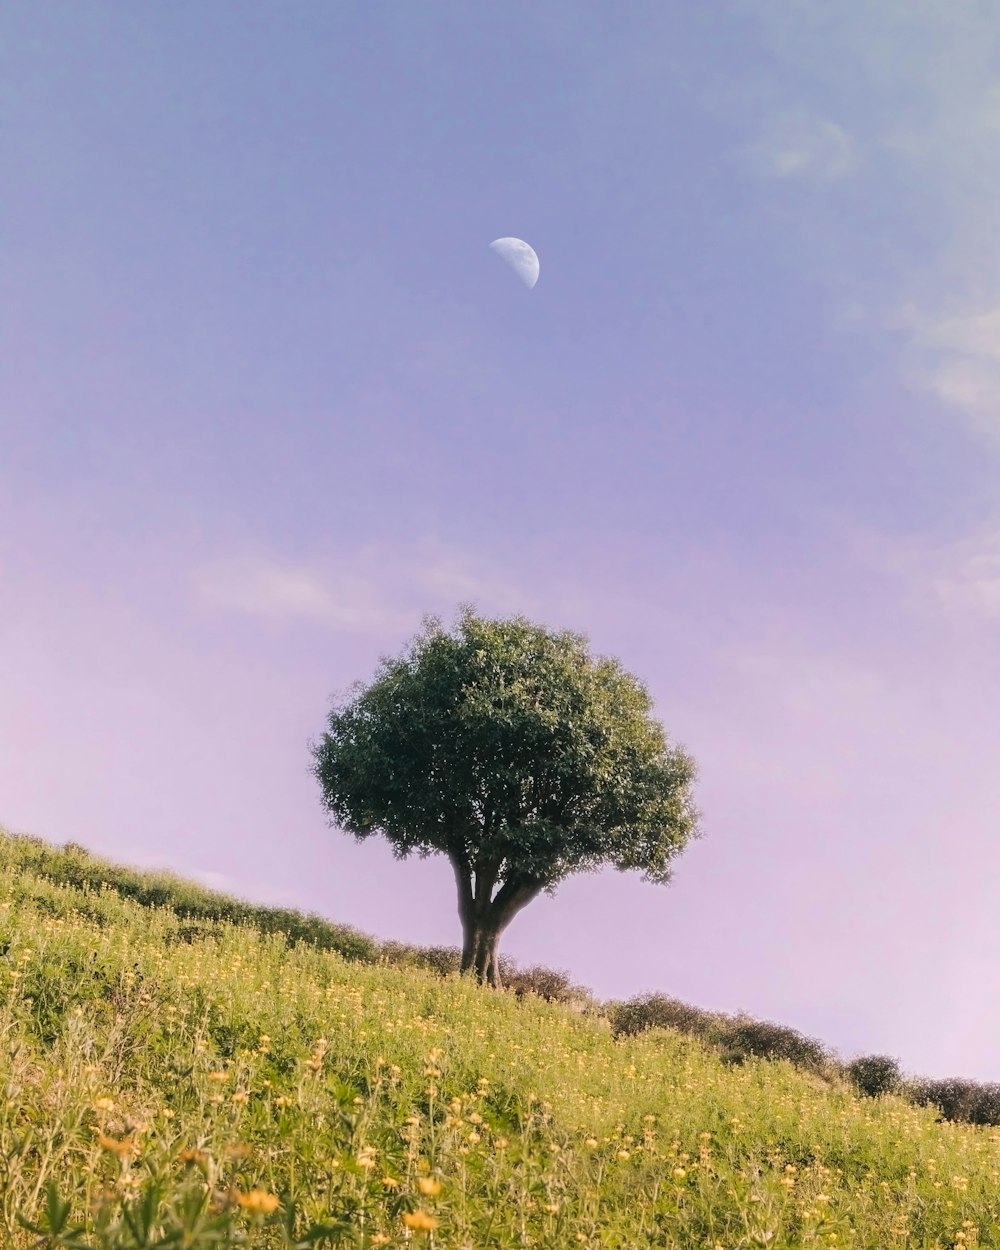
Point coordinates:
[[508, 749]]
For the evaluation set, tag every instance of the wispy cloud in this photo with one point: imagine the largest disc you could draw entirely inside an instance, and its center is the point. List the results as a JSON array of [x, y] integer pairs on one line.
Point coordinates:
[[956, 358], [277, 591], [924, 78], [957, 580], [372, 589], [795, 145]]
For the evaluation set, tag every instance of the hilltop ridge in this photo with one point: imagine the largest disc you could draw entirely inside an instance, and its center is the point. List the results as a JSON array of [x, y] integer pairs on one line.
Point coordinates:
[[224, 1077]]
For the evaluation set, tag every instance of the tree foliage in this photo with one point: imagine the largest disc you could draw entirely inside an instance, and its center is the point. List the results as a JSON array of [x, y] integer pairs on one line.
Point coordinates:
[[508, 749]]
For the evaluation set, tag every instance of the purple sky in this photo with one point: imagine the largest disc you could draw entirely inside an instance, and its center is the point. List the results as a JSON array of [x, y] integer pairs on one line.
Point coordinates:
[[267, 396]]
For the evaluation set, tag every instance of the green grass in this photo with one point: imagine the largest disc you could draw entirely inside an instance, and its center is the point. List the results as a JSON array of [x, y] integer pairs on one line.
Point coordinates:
[[185, 1069]]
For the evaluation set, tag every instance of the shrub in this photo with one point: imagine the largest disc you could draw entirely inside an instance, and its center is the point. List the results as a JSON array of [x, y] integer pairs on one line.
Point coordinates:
[[443, 960], [548, 983], [986, 1104], [582, 1000], [397, 954], [873, 1075], [658, 1011], [957, 1099], [764, 1039]]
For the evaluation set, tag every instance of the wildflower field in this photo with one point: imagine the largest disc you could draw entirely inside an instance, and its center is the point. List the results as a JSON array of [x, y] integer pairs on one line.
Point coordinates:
[[210, 1084]]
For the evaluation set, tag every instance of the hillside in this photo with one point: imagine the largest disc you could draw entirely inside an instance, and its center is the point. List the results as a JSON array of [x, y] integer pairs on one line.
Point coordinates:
[[185, 1069]]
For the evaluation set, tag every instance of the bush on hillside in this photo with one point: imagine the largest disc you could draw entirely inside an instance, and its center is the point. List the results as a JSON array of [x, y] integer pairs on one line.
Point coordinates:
[[745, 1037], [397, 954], [957, 1099], [443, 960], [873, 1075], [986, 1104], [658, 1011], [551, 984]]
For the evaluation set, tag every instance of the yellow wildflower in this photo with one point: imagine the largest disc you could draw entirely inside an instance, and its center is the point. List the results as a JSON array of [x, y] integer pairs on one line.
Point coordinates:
[[258, 1200], [121, 1148], [420, 1220], [429, 1187], [104, 1104]]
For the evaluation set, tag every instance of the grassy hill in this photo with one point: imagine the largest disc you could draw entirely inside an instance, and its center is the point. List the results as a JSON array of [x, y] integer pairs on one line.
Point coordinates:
[[182, 1068]]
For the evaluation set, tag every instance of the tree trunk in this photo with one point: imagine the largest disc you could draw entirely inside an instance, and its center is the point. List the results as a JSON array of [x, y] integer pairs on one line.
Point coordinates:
[[468, 949], [493, 966], [484, 919], [466, 911], [487, 959]]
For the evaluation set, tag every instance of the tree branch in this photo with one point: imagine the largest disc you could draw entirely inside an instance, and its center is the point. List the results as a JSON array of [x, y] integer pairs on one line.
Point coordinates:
[[514, 895]]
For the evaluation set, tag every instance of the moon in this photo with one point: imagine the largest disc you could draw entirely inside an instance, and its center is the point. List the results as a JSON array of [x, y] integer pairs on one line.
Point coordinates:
[[520, 257]]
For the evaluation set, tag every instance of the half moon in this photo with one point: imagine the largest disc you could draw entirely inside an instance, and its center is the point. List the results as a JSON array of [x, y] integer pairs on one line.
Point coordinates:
[[521, 258]]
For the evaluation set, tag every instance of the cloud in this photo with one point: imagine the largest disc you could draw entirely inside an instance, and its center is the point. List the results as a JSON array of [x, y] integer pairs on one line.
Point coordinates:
[[916, 249], [955, 580], [969, 385], [794, 145], [955, 357], [283, 591], [370, 590], [975, 334]]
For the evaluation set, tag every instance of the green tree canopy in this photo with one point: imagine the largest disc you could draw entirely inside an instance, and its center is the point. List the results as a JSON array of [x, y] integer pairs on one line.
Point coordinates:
[[508, 749]]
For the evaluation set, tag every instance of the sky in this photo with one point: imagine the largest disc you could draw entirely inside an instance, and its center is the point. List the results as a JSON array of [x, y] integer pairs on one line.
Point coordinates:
[[267, 397]]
